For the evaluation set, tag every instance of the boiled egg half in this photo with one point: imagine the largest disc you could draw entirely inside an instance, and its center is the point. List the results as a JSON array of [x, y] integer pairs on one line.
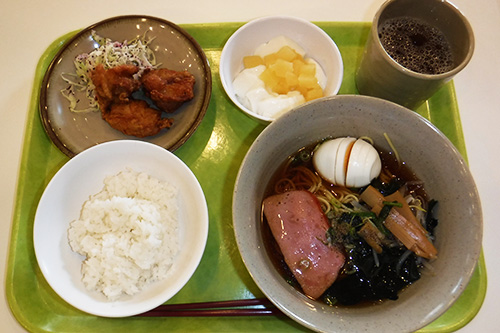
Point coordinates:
[[347, 162]]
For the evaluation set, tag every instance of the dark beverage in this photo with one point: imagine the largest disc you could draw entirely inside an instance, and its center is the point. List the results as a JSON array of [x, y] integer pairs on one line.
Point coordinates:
[[416, 45]]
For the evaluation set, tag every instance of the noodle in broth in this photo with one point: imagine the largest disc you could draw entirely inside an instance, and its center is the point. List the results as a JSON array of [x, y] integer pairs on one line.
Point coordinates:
[[367, 276]]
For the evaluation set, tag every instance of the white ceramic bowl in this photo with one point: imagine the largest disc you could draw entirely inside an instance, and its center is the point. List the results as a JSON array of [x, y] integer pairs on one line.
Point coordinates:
[[426, 151], [83, 176], [316, 43]]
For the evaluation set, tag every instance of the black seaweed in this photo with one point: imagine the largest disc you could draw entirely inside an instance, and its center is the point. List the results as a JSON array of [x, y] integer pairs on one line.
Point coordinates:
[[430, 221], [371, 280], [369, 276], [353, 219], [387, 188]]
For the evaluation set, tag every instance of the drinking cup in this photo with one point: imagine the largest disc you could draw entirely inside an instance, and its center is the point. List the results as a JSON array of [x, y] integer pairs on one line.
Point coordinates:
[[421, 25]]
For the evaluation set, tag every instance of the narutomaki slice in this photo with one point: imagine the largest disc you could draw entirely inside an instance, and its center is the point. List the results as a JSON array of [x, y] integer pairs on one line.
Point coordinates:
[[299, 227]]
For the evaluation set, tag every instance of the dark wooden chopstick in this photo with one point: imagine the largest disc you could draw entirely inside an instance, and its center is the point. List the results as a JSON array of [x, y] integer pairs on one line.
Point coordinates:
[[213, 313], [219, 308], [217, 304]]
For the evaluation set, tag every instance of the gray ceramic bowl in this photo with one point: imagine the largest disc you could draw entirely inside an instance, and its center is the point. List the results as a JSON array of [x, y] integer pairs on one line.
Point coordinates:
[[428, 153]]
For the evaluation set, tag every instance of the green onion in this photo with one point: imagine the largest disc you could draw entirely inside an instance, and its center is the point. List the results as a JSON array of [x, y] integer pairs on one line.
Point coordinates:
[[392, 203]]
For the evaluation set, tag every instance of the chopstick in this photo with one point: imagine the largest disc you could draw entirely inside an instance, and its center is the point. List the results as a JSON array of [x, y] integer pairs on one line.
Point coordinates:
[[231, 308]]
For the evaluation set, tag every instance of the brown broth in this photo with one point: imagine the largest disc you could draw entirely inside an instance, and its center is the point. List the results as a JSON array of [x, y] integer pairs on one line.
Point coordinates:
[[389, 162]]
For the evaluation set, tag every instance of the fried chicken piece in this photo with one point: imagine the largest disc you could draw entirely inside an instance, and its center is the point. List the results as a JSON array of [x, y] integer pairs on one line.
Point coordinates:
[[136, 118], [167, 88], [114, 85]]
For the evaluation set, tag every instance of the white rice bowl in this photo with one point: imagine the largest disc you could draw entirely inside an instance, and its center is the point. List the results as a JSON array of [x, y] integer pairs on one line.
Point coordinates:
[[81, 180], [128, 234]]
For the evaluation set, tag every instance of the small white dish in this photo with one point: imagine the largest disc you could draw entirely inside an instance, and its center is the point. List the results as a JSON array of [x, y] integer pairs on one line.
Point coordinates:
[[316, 43], [83, 176]]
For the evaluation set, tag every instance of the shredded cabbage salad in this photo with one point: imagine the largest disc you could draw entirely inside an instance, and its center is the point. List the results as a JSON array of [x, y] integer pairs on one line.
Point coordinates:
[[110, 54]]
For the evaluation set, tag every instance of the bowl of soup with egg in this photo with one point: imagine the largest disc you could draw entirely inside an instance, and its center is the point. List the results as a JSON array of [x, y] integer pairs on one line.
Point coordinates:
[[354, 214], [273, 64]]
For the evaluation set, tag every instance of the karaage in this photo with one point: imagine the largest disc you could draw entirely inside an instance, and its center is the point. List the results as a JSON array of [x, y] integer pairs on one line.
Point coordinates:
[[167, 88], [136, 118], [114, 85]]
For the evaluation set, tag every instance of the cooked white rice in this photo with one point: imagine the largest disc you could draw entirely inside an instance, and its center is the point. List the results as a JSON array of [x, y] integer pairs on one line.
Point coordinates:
[[128, 233]]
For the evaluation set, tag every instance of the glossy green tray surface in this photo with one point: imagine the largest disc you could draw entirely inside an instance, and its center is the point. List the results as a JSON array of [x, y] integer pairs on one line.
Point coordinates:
[[214, 153]]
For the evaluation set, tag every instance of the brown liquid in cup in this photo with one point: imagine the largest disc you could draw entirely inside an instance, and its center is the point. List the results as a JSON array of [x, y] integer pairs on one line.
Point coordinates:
[[416, 45]]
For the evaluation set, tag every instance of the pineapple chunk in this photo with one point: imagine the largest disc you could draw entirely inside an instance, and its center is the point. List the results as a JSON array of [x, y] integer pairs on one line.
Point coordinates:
[[286, 71], [307, 81], [292, 80], [270, 59], [252, 61], [314, 93], [308, 69], [297, 66], [281, 88], [269, 78], [281, 67], [287, 53]]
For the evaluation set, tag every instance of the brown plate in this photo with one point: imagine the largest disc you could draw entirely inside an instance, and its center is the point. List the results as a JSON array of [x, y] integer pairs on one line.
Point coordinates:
[[174, 48]]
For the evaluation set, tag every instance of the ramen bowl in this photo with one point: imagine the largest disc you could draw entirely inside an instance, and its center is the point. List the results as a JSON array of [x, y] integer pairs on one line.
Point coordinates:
[[316, 43], [426, 151]]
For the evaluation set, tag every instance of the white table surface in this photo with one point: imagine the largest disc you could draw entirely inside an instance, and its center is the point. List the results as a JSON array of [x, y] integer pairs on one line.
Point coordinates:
[[27, 27]]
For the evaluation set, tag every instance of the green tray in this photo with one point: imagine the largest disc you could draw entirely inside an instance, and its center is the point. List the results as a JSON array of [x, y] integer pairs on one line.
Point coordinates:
[[214, 154]]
